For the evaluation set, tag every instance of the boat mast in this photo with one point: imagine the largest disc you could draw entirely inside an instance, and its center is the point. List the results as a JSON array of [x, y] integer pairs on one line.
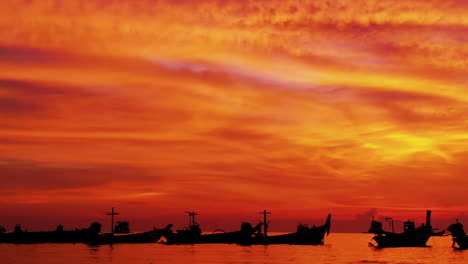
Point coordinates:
[[191, 218], [112, 220], [265, 224]]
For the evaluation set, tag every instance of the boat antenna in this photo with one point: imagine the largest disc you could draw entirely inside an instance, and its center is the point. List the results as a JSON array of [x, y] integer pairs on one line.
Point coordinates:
[[265, 223], [191, 218], [112, 219]]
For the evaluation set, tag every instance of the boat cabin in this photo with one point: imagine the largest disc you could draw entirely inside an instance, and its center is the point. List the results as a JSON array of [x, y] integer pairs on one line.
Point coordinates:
[[18, 229], [409, 226], [122, 227]]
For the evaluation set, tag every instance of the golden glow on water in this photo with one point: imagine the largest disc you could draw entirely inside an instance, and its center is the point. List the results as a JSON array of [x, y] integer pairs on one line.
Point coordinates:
[[340, 248]]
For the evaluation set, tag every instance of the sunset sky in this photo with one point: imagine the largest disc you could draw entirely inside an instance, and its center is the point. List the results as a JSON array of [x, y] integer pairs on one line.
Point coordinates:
[[229, 107]]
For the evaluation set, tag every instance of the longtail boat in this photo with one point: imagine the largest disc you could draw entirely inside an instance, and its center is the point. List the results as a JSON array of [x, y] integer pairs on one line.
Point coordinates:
[[152, 236], [91, 235], [303, 236], [193, 234], [249, 235], [411, 236], [120, 234], [58, 236], [459, 236]]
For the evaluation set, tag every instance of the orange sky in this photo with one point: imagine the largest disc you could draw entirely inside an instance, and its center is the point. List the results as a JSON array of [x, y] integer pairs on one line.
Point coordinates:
[[228, 107]]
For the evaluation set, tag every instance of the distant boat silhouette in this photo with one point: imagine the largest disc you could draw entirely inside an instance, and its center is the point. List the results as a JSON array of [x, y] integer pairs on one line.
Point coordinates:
[[121, 234], [459, 236], [193, 234], [411, 236], [303, 236], [145, 237], [91, 235], [58, 236]]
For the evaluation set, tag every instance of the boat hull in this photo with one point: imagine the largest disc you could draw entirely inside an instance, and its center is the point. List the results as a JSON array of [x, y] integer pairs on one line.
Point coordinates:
[[48, 237], [145, 237], [462, 243], [193, 235], [307, 236], [407, 239], [220, 238], [312, 236], [81, 236]]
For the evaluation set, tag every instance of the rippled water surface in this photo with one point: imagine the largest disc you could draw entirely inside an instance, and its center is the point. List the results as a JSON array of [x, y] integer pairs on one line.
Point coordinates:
[[338, 249]]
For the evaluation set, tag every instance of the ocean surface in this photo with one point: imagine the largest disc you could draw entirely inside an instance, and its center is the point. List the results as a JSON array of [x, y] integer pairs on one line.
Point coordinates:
[[338, 249]]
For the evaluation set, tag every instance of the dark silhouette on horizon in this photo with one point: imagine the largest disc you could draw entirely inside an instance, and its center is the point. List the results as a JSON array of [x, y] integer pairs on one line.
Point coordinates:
[[90, 235], [459, 236], [304, 235], [193, 234], [123, 229], [246, 235], [410, 237], [57, 236]]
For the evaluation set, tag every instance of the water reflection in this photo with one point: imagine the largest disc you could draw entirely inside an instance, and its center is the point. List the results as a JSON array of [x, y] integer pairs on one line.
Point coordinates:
[[100, 254], [93, 252]]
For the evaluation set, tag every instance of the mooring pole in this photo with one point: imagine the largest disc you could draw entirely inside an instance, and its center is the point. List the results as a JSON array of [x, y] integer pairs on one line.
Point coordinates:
[[265, 223]]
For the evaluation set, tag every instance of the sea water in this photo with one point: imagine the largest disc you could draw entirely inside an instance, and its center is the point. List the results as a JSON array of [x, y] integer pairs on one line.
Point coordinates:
[[339, 248]]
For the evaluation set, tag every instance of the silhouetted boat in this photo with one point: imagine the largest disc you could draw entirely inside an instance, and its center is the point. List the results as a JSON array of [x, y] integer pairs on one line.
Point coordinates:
[[193, 234], [303, 236], [411, 236], [459, 236], [91, 235], [58, 236], [145, 237], [120, 234], [245, 236]]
